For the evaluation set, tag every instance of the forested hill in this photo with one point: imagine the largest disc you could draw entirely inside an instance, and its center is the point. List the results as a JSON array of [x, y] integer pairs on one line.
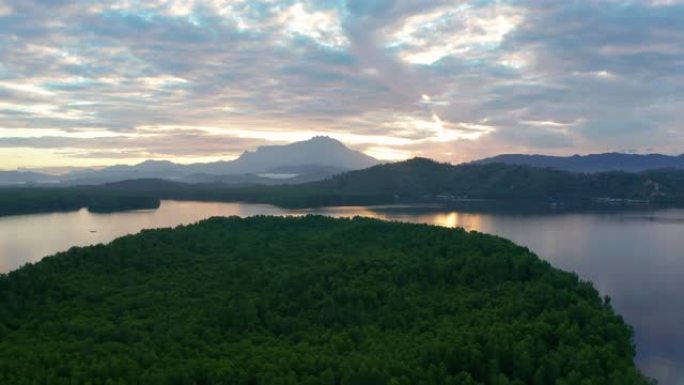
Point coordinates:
[[415, 180], [310, 300], [593, 162], [420, 177]]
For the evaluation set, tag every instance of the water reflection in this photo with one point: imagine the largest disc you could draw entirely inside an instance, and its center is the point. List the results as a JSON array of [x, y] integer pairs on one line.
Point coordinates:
[[635, 257], [428, 214]]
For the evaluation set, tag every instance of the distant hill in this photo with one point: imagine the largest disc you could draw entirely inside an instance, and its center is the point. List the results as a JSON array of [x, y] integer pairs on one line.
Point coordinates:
[[424, 180], [299, 162], [416, 180], [24, 177], [420, 177], [147, 169], [594, 162]]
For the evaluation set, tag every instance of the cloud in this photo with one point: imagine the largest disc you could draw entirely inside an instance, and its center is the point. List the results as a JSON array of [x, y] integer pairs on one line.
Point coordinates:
[[454, 80], [4, 9], [466, 30]]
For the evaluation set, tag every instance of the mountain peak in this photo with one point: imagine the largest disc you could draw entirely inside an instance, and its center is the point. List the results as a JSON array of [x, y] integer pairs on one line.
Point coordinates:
[[420, 160], [322, 141], [319, 150], [313, 142], [155, 161]]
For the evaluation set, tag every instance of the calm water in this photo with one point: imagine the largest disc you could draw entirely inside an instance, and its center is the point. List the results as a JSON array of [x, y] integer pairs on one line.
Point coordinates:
[[637, 258]]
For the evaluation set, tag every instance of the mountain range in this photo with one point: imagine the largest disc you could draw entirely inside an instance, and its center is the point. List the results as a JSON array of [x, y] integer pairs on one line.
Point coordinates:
[[424, 180], [594, 162], [25, 177], [417, 180], [314, 159]]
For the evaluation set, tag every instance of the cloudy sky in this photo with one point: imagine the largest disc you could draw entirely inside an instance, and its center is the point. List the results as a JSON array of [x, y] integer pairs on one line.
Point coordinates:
[[86, 82]]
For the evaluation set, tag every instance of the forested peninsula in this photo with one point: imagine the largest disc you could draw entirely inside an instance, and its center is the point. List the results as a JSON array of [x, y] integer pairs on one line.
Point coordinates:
[[97, 199], [310, 300]]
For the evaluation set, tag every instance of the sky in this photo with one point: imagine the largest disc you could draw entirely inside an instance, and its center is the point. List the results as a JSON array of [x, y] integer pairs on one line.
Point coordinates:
[[89, 83]]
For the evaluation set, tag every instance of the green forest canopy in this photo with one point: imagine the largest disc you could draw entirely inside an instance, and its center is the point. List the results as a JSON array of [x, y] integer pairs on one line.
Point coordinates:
[[311, 300]]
